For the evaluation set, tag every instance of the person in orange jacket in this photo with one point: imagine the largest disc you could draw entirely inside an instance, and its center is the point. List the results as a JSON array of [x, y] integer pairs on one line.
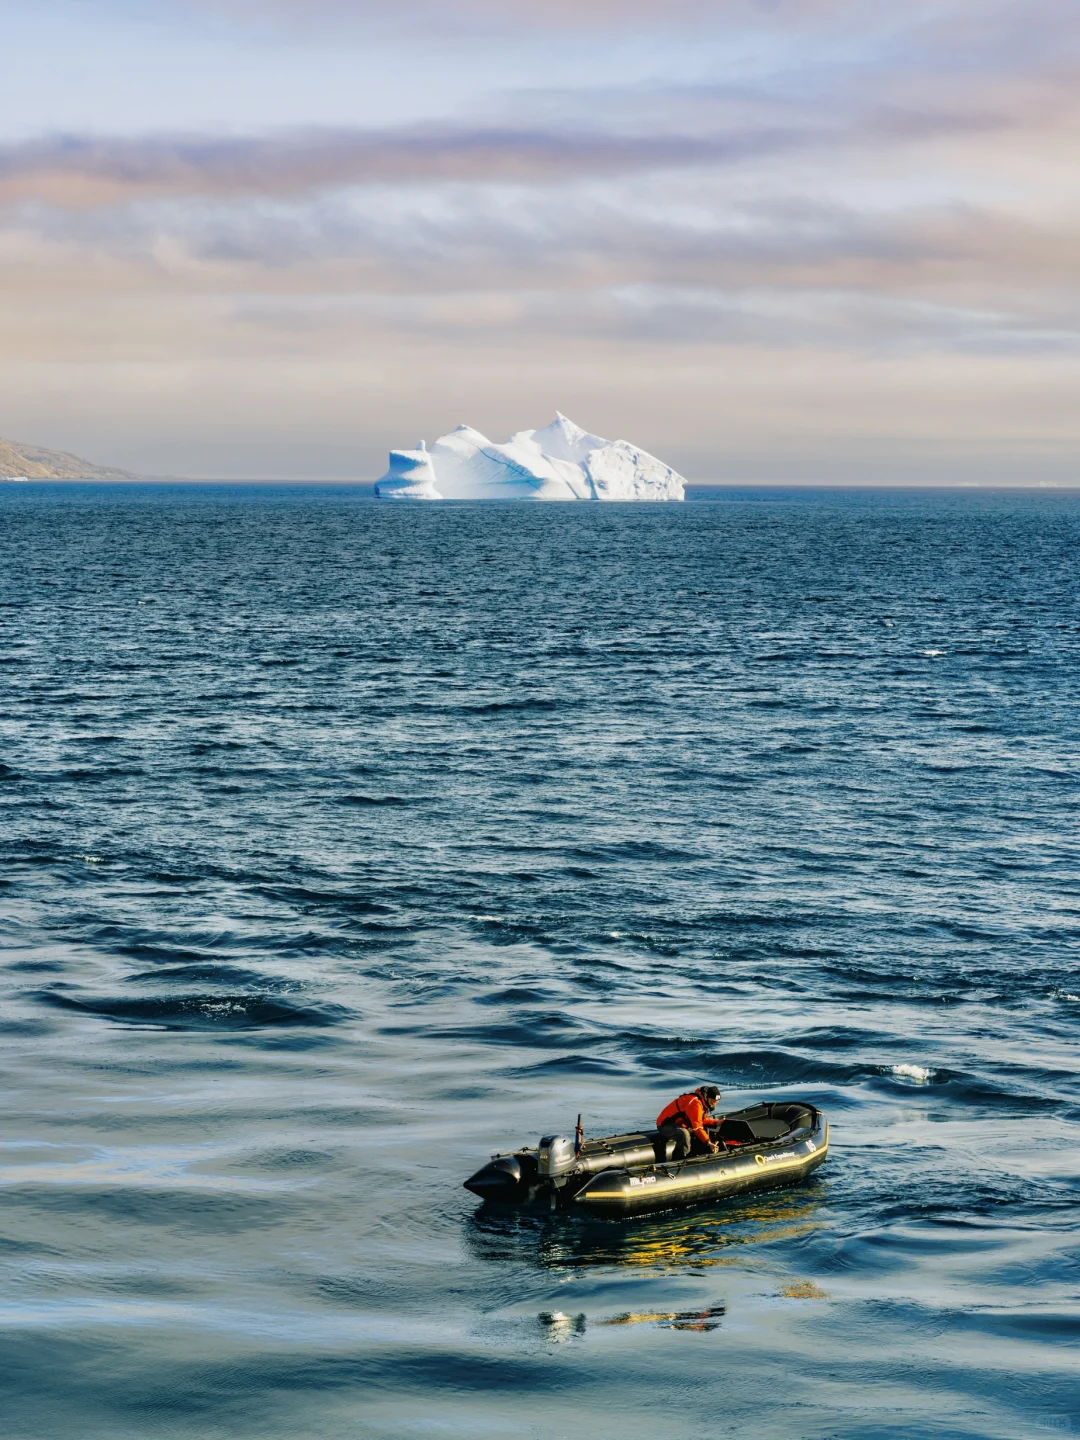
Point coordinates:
[[687, 1121]]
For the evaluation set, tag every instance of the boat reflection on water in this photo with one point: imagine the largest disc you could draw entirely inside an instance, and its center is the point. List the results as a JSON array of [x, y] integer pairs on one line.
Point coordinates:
[[674, 1241], [559, 1328], [699, 1320]]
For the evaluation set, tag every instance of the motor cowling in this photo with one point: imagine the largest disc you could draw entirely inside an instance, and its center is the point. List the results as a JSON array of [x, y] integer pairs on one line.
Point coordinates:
[[557, 1155]]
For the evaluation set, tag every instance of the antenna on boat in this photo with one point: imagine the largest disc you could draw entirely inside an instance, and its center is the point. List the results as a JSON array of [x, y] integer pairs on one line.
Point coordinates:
[[579, 1137]]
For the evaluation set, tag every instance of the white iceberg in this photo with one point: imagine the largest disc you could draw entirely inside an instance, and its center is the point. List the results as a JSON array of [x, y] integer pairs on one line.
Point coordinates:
[[559, 462], [410, 476]]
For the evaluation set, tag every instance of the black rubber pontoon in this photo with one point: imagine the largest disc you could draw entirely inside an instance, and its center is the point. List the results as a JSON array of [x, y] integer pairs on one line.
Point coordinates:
[[766, 1145]]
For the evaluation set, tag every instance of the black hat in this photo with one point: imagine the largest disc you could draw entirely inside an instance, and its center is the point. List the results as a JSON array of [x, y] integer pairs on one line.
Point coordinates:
[[709, 1092]]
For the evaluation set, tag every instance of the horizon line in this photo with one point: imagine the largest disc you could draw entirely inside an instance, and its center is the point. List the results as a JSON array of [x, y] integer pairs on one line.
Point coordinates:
[[336, 482]]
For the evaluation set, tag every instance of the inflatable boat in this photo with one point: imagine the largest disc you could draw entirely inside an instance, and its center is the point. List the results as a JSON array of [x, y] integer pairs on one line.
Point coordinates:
[[764, 1146]]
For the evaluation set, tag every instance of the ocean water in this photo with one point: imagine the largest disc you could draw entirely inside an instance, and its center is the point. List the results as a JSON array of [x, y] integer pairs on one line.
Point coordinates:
[[344, 843]]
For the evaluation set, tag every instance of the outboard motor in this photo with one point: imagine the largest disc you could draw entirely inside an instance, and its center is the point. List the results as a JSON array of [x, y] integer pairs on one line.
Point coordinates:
[[556, 1156]]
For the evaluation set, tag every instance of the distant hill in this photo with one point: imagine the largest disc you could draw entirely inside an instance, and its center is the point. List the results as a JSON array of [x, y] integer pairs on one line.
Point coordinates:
[[32, 462]]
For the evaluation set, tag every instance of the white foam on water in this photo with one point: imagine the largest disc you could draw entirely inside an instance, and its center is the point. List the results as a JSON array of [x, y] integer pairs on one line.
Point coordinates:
[[920, 1074]]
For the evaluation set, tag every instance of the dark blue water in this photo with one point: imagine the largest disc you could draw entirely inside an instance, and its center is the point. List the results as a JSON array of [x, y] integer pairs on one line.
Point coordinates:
[[343, 843]]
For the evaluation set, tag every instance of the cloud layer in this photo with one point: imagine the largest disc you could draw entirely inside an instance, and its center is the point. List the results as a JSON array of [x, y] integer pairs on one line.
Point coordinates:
[[80, 171]]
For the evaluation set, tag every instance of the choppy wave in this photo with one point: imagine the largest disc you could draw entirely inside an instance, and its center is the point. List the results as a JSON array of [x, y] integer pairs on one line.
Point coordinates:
[[198, 1012]]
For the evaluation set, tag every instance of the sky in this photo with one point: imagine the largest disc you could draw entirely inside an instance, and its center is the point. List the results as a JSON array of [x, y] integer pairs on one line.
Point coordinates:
[[771, 241]]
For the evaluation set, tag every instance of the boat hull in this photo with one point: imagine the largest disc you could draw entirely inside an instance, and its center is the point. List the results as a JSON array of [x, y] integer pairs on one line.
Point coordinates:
[[767, 1145], [708, 1178]]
